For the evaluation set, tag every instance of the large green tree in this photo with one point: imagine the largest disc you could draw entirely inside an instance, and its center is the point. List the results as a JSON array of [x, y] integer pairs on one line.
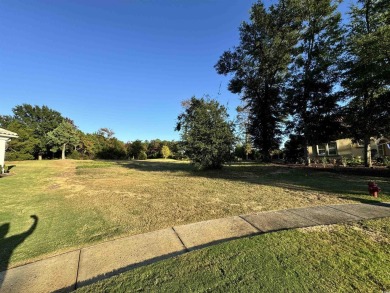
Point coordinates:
[[40, 120], [207, 135], [367, 72], [37, 121], [311, 93], [65, 134], [259, 64], [23, 147]]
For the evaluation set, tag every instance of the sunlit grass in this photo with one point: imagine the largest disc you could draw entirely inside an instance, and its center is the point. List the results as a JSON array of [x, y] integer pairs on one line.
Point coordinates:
[[82, 202], [338, 258]]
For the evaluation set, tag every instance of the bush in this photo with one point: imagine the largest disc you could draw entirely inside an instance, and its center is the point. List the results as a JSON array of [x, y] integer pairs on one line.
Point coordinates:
[[386, 161], [18, 157], [142, 156], [355, 161], [75, 155]]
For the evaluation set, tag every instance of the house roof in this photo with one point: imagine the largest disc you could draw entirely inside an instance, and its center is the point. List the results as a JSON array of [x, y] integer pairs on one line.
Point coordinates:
[[7, 133]]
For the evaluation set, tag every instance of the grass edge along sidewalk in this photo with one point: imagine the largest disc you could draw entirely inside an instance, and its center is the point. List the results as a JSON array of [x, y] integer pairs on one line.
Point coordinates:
[[75, 269]]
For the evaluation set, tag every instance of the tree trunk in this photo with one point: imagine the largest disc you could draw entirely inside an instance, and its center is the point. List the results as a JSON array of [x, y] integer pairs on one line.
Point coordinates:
[[306, 152], [367, 153], [63, 151]]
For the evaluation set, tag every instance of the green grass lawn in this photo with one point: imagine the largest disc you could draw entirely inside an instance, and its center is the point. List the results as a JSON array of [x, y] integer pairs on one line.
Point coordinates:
[[337, 258], [83, 202]]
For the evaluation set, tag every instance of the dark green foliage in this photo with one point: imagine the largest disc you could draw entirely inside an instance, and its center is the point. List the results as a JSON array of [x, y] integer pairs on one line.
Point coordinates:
[[135, 148], [112, 149], [23, 147], [32, 123], [311, 96], [259, 65], [294, 149], [367, 72], [207, 134], [40, 134], [40, 120]]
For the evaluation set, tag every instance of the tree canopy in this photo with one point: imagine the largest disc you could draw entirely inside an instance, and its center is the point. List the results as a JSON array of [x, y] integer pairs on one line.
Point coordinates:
[[311, 95], [207, 135], [367, 72], [65, 134], [259, 64]]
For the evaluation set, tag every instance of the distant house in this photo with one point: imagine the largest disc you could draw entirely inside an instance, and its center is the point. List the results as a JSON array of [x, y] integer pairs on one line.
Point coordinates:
[[5, 136], [380, 148]]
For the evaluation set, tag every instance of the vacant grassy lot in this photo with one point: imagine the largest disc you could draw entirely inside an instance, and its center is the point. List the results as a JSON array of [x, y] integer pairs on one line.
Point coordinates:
[[338, 258], [81, 202]]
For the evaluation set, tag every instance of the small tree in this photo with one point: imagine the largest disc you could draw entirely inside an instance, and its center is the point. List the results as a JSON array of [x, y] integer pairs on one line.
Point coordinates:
[[63, 135], [165, 151], [207, 135]]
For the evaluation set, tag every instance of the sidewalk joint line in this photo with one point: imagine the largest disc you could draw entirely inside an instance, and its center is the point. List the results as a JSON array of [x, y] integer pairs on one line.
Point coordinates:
[[261, 231], [177, 234]]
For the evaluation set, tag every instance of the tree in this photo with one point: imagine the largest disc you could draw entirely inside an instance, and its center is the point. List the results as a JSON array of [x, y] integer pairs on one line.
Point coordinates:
[[207, 134], [40, 120], [294, 148], [243, 126], [23, 147], [154, 148], [165, 151], [311, 95], [106, 132], [135, 148], [259, 65], [113, 149], [65, 134], [367, 72]]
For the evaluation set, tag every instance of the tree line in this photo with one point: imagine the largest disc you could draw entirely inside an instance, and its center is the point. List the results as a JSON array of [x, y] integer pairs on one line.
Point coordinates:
[[301, 71], [45, 133]]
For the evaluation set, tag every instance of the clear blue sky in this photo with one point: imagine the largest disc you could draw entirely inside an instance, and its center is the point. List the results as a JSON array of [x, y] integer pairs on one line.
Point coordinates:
[[125, 65]]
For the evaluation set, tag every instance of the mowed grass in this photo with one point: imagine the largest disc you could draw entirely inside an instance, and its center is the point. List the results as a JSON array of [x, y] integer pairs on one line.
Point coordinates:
[[82, 202], [337, 258]]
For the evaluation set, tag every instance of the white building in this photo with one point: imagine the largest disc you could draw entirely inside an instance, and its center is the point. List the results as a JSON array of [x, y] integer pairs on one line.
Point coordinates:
[[5, 136]]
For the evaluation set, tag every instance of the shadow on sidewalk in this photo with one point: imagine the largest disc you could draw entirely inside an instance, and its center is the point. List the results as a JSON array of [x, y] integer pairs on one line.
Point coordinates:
[[8, 245]]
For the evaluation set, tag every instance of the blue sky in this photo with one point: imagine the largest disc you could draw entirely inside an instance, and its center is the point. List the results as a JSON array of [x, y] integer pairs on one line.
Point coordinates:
[[125, 65]]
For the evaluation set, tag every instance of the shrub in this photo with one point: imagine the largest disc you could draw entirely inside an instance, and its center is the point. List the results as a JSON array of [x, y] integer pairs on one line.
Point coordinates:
[[142, 156], [75, 155], [18, 157]]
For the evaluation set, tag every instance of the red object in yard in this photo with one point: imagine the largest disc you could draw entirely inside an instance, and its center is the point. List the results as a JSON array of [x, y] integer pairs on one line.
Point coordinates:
[[373, 189]]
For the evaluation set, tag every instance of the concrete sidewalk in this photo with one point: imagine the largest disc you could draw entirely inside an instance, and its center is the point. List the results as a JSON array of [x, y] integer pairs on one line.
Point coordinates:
[[68, 271]]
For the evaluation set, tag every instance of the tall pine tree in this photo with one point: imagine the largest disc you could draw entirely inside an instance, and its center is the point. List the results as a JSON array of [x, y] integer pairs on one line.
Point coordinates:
[[311, 92], [367, 72], [259, 64]]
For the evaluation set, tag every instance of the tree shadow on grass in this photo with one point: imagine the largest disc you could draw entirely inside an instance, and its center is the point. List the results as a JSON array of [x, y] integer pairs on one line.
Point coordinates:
[[346, 186], [8, 245]]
